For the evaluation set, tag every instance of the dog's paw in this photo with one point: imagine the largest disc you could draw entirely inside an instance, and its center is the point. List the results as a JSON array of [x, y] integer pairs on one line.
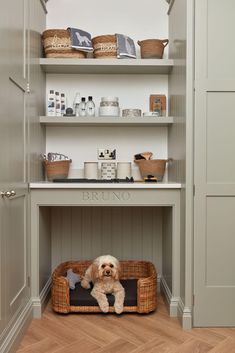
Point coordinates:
[[104, 308], [85, 284], [118, 309]]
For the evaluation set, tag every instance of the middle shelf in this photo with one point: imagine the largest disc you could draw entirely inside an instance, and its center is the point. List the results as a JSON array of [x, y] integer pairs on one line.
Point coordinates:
[[105, 121]]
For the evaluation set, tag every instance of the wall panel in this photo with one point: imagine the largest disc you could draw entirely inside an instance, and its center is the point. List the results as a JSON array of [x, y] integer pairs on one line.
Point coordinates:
[[125, 232]]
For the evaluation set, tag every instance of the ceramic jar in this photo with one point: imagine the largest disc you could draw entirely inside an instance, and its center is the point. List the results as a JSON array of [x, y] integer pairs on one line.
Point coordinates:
[[109, 106], [108, 170], [123, 170], [91, 170]]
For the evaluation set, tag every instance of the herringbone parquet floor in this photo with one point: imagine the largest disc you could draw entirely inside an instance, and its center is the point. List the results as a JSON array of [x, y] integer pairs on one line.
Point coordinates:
[[128, 333]]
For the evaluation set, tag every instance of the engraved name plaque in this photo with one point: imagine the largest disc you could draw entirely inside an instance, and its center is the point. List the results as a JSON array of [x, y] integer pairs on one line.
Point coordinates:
[[106, 196]]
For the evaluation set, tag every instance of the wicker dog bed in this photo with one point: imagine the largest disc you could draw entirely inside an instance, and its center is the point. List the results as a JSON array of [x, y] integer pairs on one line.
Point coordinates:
[[139, 277]]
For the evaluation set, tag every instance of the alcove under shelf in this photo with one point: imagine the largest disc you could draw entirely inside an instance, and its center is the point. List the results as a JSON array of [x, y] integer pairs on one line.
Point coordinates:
[[106, 66], [106, 121]]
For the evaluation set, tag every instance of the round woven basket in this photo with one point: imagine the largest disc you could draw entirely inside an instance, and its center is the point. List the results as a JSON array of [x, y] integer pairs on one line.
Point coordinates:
[[57, 44], [105, 47], [57, 169], [152, 48], [154, 167]]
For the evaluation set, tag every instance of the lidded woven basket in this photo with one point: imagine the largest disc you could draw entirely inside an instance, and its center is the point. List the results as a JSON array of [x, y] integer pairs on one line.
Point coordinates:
[[152, 48], [57, 44], [105, 46]]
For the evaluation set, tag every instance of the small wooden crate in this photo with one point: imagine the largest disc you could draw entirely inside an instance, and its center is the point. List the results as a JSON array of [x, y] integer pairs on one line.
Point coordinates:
[[143, 271]]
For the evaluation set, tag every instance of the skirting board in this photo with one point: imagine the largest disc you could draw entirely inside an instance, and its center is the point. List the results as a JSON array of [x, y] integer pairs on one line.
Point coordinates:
[[17, 329], [185, 315], [177, 307], [39, 303], [172, 301]]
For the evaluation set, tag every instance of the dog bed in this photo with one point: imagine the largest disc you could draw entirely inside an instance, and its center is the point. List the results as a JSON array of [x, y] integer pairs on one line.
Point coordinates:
[[139, 278]]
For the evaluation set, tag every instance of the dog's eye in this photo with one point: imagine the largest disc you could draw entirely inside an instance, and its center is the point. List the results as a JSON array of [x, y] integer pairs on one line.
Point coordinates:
[[103, 266], [111, 265]]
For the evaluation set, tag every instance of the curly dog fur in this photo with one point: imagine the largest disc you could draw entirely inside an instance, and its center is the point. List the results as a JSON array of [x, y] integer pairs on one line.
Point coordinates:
[[104, 274]]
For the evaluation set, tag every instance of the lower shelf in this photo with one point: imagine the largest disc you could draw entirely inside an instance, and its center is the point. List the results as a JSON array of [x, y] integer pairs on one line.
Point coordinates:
[[105, 121]]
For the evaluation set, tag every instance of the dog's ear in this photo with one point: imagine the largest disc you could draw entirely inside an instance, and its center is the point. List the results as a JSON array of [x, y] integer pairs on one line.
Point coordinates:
[[94, 271], [118, 271]]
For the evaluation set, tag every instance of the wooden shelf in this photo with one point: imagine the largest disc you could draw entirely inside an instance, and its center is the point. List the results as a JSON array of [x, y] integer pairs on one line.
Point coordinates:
[[106, 66], [105, 121]]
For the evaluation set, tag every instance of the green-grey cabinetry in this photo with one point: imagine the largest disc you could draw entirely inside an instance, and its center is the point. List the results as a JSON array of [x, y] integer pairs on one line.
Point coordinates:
[[20, 48], [214, 222]]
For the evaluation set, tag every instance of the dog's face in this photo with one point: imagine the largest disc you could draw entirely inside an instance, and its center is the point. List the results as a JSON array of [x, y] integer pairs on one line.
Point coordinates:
[[106, 267]]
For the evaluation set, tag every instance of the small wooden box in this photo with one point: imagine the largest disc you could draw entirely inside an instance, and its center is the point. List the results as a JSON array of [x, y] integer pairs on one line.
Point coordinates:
[[157, 103]]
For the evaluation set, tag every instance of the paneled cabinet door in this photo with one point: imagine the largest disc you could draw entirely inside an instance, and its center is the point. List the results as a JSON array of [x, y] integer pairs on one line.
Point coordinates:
[[15, 204], [214, 221]]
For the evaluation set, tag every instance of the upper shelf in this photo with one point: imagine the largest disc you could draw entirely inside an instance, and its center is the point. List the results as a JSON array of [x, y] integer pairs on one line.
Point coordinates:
[[105, 121], [106, 66]]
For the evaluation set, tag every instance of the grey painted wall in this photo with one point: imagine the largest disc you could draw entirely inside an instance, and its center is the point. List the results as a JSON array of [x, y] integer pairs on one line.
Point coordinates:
[[125, 232]]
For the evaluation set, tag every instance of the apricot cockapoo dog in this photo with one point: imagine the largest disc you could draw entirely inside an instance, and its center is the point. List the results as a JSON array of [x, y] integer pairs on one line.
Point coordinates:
[[104, 274]]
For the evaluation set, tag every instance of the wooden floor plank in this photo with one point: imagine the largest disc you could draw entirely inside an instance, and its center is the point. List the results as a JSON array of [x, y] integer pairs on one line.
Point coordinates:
[[118, 346], [157, 345], [193, 346], [226, 346], [207, 335], [46, 345], [83, 345]]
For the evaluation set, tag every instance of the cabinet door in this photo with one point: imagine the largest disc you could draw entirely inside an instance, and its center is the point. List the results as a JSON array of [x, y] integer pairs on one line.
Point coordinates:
[[214, 240], [14, 292]]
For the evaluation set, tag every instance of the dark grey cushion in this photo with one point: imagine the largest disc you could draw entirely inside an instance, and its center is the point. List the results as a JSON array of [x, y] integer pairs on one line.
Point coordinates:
[[82, 297]]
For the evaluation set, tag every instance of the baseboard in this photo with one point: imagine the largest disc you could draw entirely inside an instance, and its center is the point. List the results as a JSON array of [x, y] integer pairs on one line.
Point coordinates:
[[16, 329], [40, 302], [187, 319], [172, 301]]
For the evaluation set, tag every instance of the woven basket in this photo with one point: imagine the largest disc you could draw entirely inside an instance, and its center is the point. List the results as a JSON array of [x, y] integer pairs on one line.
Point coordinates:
[[57, 44], [57, 170], [154, 167], [152, 48], [105, 47], [144, 271]]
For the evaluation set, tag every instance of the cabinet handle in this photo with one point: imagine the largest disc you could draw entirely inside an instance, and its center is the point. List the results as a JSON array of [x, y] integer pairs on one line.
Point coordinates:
[[8, 193]]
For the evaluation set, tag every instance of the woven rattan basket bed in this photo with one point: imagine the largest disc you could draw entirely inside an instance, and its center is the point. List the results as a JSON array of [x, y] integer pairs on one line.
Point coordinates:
[[143, 271]]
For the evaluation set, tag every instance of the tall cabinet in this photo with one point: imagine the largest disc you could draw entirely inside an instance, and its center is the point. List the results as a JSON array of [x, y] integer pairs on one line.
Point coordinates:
[[20, 88], [14, 190], [214, 223]]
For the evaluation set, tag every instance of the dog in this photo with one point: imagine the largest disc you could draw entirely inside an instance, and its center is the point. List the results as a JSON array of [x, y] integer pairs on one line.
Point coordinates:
[[104, 273], [82, 39]]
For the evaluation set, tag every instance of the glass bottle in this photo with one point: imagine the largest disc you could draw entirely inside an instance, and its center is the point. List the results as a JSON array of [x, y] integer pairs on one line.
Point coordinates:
[[63, 103], [57, 104], [82, 107], [76, 103], [90, 107]]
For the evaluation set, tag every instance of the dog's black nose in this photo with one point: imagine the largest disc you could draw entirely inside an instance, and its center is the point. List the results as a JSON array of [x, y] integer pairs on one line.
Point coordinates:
[[107, 272]]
